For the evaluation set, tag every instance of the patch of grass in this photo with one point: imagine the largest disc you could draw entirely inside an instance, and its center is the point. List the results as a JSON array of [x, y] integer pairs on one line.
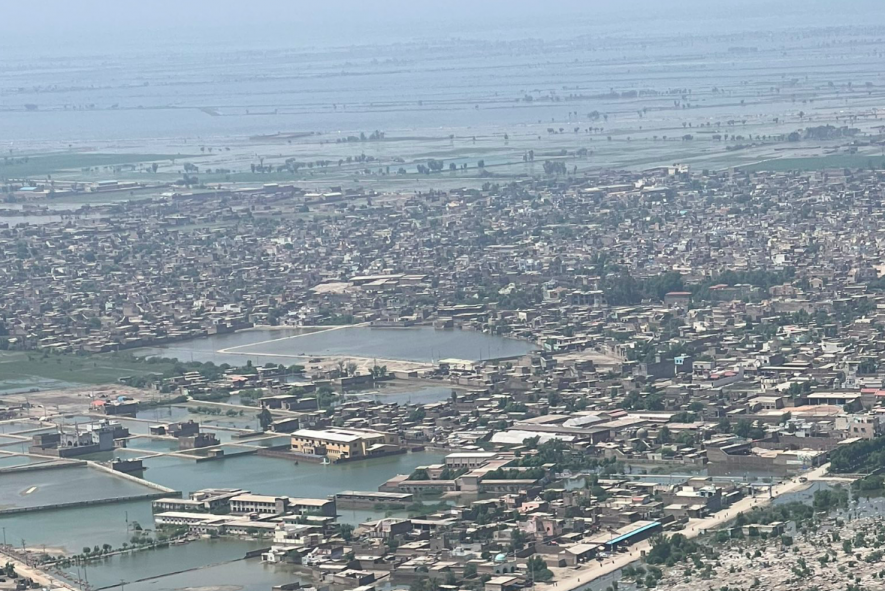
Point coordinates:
[[819, 163], [79, 369], [14, 166]]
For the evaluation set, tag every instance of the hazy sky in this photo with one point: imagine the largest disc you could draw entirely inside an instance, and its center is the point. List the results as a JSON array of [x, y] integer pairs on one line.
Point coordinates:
[[53, 27]]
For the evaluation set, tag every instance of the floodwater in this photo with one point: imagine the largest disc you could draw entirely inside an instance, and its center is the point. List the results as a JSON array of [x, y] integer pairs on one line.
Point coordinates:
[[449, 87], [275, 476], [7, 461], [289, 346], [245, 575], [35, 488], [18, 385], [72, 529], [153, 563]]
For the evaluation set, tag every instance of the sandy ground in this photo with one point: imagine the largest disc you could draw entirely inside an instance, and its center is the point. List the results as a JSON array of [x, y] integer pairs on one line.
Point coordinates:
[[327, 362], [70, 400], [578, 579]]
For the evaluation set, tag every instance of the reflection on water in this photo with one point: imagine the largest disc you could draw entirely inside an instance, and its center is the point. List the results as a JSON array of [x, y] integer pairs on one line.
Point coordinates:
[[275, 476], [36, 488], [152, 563], [423, 344], [72, 529]]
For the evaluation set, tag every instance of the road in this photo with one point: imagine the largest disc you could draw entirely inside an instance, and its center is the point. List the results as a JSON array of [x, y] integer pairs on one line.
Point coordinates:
[[40, 577], [579, 579]]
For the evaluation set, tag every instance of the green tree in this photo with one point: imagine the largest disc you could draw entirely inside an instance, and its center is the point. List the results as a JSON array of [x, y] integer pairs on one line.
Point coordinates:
[[346, 531], [265, 419], [537, 569]]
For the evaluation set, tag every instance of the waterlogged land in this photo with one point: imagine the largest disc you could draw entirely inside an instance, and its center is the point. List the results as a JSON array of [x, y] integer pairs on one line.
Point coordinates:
[[22, 371], [489, 106], [287, 346]]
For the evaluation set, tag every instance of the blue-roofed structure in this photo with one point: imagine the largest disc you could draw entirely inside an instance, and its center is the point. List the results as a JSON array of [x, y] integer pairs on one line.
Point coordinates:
[[633, 533]]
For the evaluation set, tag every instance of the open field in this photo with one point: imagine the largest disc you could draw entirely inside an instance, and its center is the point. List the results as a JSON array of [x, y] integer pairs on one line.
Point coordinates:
[[819, 163], [23, 166], [22, 370]]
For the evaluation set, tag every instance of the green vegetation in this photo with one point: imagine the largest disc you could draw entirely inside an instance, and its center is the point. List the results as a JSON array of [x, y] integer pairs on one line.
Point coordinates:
[[264, 419], [623, 289], [213, 410], [512, 406], [212, 396], [418, 509], [867, 455], [824, 500], [107, 368], [336, 320], [827, 500], [419, 474], [684, 417], [417, 414], [250, 396], [515, 474], [345, 530], [759, 278], [869, 484], [23, 366], [485, 514], [641, 576], [538, 570], [670, 550], [326, 397], [449, 474], [635, 400], [43, 165], [557, 452], [746, 429], [818, 163]]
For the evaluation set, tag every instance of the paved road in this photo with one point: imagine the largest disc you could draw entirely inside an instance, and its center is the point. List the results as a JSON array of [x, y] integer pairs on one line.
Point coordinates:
[[578, 579]]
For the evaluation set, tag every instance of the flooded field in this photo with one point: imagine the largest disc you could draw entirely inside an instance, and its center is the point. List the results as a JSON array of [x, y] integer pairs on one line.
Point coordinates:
[[274, 476], [287, 346], [594, 90], [72, 529], [146, 566], [246, 575], [36, 488]]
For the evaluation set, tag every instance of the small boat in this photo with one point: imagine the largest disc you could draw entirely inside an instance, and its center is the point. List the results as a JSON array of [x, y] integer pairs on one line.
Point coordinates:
[[325, 462]]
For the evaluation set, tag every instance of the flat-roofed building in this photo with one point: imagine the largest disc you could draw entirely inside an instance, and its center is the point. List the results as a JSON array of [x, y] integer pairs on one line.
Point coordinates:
[[356, 499], [273, 505], [189, 519], [473, 459], [342, 444], [249, 503]]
